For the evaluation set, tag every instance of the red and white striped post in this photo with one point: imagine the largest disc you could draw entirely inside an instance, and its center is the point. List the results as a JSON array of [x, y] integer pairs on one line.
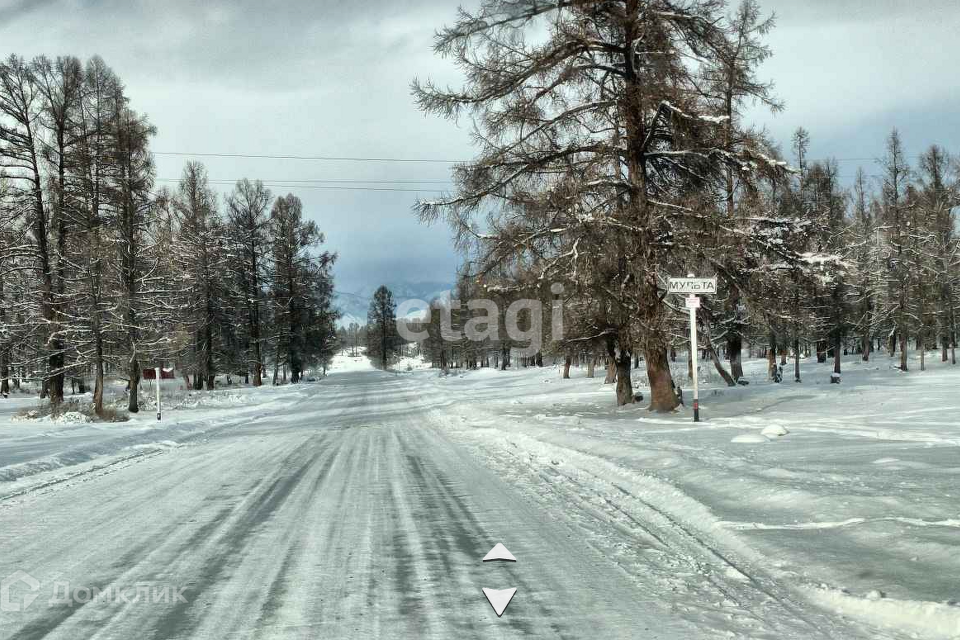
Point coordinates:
[[693, 303], [693, 287]]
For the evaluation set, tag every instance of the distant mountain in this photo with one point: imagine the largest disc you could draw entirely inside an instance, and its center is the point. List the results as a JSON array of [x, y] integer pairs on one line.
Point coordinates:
[[353, 305]]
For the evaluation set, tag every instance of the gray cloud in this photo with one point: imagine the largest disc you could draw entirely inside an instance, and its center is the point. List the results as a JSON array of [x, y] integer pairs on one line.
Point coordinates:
[[11, 10], [820, 12], [851, 70], [332, 78]]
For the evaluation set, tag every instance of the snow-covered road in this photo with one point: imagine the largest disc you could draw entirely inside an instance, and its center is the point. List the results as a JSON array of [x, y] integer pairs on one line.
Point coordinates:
[[361, 507], [345, 514]]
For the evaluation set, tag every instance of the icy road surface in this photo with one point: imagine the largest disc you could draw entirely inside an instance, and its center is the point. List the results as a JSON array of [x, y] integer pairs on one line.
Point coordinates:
[[361, 507]]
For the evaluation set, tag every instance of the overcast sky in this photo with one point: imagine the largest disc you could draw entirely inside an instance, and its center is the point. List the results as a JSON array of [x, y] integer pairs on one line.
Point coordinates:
[[331, 78]]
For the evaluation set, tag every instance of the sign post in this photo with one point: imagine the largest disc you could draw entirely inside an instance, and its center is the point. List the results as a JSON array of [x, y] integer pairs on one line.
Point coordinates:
[[693, 286], [693, 303], [157, 382]]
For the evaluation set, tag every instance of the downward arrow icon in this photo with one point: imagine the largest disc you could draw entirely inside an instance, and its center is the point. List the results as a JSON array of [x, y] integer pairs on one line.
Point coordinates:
[[499, 598]]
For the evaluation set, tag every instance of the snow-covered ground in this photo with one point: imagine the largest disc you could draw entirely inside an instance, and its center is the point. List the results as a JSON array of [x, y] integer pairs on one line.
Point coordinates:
[[853, 514], [51, 449], [361, 506]]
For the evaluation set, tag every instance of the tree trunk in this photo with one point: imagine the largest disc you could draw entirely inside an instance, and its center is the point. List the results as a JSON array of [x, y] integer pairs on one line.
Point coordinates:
[[57, 359], [735, 354], [98, 390], [662, 396], [383, 343], [208, 370], [4, 349], [624, 384], [295, 368], [796, 359], [591, 363], [903, 350], [922, 348], [257, 366], [98, 366], [716, 360], [772, 357], [40, 231], [254, 302], [566, 367], [611, 372], [133, 402], [836, 353], [4, 374], [720, 369]]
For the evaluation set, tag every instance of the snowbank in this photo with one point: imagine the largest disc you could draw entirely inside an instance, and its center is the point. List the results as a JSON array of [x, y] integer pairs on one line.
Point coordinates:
[[750, 438], [775, 431], [930, 620], [862, 498]]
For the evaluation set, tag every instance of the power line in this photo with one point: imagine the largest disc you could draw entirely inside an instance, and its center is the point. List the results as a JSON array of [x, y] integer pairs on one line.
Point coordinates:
[[317, 181], [336, 181], [265, 156], [374, 185], [340, 188], [323, 186], [874, 159]]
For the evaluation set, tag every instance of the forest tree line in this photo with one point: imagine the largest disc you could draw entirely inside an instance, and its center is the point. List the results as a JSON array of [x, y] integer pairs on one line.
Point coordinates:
[[614, 153], [101, 272]]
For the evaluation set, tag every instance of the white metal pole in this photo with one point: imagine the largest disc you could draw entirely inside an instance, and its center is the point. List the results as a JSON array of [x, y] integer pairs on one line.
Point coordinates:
[[693, 356], [157, 382]]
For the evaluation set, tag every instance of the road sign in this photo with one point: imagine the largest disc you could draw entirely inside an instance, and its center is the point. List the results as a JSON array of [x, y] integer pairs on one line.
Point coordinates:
[[698, 286], [693, 287]]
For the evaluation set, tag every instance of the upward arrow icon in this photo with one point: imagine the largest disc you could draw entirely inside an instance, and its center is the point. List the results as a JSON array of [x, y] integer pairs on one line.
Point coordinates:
[[499, 552]]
